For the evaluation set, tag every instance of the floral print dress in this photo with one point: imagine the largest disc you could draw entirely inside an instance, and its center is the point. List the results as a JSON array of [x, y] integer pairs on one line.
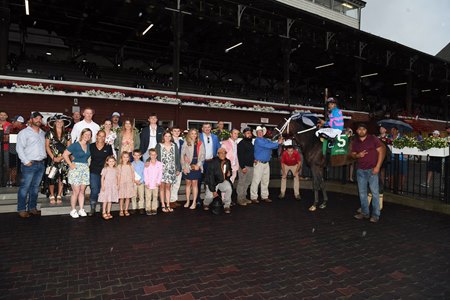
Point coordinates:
[[169, 168], [57, 147]]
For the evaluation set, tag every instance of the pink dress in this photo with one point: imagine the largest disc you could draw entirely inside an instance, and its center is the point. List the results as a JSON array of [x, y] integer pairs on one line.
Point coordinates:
[[126, 183], [111, 193]]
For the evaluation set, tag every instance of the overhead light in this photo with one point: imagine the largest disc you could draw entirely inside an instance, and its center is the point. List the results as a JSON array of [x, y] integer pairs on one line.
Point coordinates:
[[369, 75], [206, 76], [151, 69], [118, 65], [140, 14], [232, 47], [148, 28], [34, 23], [27, 8], [84, 60], [49, 53], [181, 73], [400, 83], [324, 66], [230, 79], [436, 89], [347, 5], [427, 90]]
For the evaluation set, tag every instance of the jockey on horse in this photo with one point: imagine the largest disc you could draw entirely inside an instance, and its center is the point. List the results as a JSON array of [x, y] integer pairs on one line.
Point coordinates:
[[334, 125]]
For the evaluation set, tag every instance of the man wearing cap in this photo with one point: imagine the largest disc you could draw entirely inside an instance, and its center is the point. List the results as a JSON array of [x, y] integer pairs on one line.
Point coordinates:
[[150, 136], [115, 120], [261, 172], [369, 152], [290, 162], [31, 151], [335, 124], [246, 159], [87, 122]]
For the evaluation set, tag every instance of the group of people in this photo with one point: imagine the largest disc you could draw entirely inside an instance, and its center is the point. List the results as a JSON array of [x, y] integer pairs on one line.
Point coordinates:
[[143, 170]]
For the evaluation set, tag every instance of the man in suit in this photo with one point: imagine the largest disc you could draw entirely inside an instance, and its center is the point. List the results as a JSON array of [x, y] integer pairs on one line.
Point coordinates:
[[151, 135], [176, 132], [212, 144]]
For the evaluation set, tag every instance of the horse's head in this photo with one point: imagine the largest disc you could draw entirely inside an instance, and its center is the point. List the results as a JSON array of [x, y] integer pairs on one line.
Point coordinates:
[[296, 124]]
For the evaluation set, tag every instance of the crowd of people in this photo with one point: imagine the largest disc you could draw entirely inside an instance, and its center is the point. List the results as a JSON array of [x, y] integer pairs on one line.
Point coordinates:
[[141, 170]]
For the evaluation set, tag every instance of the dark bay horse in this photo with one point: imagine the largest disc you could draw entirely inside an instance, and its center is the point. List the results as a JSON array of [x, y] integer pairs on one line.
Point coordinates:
[[301, 127]]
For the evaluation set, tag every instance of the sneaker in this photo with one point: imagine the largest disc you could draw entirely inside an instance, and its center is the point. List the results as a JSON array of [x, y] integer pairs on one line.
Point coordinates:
[[24, 214], [361, 216], [374, 219], [82, 213], [149, 213], [298, 197], [74, 214], [227, 210], [154, 212], [281, 196]]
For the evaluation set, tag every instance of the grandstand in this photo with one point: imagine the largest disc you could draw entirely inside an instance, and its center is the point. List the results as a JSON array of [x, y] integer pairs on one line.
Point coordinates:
[[290, 52]]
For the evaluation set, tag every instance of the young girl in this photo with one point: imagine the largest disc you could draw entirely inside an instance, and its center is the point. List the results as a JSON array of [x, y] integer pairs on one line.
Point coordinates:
[[152, 177], [109, 192], [126, 183]]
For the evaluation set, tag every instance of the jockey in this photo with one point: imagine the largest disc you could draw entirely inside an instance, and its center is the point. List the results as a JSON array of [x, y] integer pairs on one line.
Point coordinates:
[[335, 124]]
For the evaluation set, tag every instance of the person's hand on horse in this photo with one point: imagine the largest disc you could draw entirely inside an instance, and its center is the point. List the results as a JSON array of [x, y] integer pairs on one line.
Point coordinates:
[[280, 140]]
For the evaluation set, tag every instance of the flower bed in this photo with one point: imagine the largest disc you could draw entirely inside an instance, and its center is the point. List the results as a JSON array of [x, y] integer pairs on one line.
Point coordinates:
[[436, 152]]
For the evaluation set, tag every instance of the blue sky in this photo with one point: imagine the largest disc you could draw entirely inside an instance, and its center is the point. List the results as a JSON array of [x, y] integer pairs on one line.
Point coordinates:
[[419, 24]]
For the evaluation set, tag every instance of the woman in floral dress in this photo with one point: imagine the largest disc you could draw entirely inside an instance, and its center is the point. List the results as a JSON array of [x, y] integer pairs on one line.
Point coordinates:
[[111, 135], [168, 154], [56, 141]]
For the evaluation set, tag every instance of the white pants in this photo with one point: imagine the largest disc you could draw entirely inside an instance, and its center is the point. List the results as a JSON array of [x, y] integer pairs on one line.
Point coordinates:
[[329, 132], [174, 188], [224, 187], [261, 174]]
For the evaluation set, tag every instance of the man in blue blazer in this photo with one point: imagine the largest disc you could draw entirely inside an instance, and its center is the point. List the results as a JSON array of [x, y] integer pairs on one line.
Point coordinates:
[[151, 135], [212, 144]]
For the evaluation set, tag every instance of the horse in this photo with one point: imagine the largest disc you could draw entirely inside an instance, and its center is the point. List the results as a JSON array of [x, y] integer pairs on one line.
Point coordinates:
[[302, 127]]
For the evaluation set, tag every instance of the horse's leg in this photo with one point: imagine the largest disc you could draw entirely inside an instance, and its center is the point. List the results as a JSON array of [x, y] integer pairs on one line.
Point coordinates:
[[325, 195], [316, 187]]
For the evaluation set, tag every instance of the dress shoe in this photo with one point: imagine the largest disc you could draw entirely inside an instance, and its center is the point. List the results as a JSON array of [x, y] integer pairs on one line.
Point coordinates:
[[24, 214], [255, 201], [227, 210], [132, 211], [35, 212], [267, 200], [142, 211], [242, 202], [248, 201]]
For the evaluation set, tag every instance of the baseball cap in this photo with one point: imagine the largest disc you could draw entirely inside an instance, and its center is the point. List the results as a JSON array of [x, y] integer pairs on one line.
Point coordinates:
[[18, 119], [246, 129], [36, 114], [363, 125], [115, 114], [436, 132]]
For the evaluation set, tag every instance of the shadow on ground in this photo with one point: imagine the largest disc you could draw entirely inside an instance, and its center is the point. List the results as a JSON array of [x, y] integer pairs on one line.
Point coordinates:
[[258, 252]]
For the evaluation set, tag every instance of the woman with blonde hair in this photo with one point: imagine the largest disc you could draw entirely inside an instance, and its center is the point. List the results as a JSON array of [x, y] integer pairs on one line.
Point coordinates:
[[128, 139], [192, 157]]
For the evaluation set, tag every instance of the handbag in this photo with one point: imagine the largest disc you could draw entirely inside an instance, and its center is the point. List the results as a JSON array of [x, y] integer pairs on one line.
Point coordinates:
[[216, 206]]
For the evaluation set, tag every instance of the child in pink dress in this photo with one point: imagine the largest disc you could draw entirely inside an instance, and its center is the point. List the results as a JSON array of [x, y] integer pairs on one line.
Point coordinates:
[[109, 192], [126, 183], [152, 178]]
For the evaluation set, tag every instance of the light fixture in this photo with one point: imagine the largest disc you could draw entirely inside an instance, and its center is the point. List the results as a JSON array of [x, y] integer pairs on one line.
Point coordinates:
[[230, 79], [181, 73], [369, 75], [426, 90], [148, 28], [27, 8], [400, 83], [118, 65], [49, 53], [140, 14], [84, 60], [347, 5], [232, 47], [324, 66], [176, 10]]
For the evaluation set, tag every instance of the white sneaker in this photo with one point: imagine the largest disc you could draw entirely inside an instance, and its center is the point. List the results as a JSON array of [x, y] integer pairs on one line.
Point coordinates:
[[74, 214], [82, 213]]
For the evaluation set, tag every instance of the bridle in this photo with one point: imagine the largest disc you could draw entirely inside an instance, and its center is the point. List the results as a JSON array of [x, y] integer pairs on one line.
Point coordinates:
[[286, 127]]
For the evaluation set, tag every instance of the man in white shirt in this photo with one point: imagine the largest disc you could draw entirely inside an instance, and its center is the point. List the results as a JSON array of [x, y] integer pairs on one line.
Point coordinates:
[[87, 122], [176, 131], [212, 144]]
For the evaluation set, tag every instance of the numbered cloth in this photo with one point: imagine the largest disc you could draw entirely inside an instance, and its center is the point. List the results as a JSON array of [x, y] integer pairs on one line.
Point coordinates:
[[340, 146]]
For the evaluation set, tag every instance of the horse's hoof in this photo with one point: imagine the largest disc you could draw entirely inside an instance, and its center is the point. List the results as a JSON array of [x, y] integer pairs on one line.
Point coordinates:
[[322, 206], [312, 208]]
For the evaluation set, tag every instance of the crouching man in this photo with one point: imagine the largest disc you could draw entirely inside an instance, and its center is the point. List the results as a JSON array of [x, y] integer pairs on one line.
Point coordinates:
[[217, 180]]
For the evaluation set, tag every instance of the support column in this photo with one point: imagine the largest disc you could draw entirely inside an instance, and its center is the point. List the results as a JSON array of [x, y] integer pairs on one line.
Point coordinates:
[[177, 28], [4, 33], [286, 73], [358, 90], [409, 92]]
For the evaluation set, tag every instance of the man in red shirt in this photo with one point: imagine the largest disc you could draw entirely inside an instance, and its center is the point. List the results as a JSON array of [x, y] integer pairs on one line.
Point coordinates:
[[290, 161], [369, 152], [4, 149]]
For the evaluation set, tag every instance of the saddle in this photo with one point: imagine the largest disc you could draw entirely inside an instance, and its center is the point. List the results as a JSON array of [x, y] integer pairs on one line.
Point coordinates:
[[335, 150]]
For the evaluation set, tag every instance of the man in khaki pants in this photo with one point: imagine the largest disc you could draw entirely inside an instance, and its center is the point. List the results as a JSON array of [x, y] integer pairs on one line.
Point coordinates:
[[261, 169], [290, 161]]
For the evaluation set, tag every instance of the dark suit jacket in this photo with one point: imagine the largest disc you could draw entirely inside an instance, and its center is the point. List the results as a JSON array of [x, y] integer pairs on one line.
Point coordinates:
[[214, 174], [145, 137]]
